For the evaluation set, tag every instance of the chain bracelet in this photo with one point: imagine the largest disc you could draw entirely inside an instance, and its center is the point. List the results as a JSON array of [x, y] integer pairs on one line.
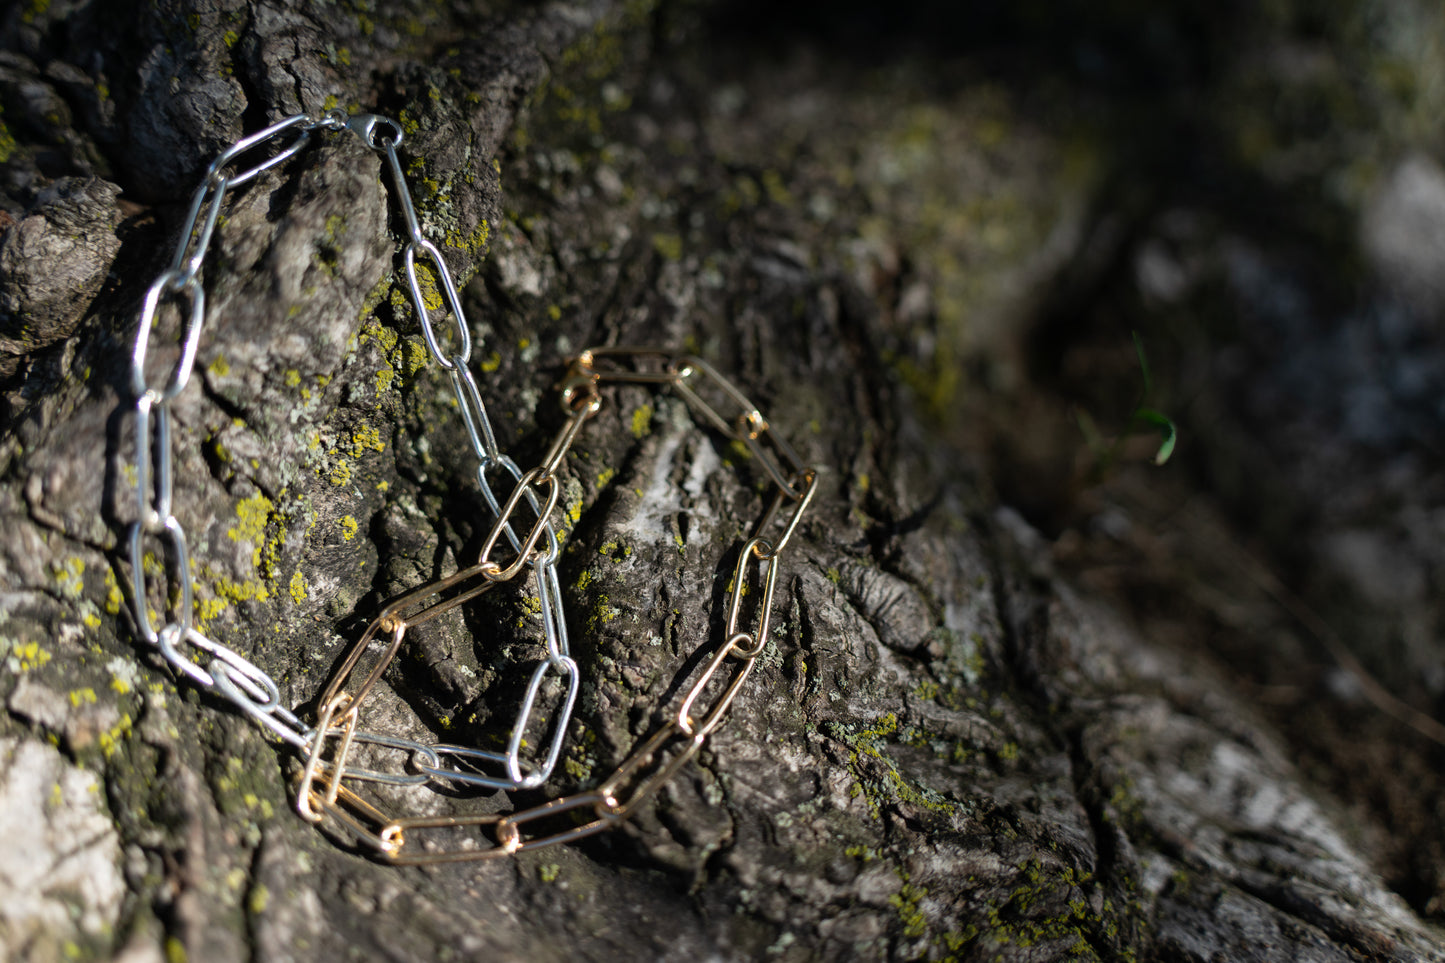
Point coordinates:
[[227, 672], [705, 705]]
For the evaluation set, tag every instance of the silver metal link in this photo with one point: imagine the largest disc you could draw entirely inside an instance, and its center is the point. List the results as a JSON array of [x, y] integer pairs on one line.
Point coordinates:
[[453, 302], [172, 533], [421, 756], [216, 191], [261, 137], [408, 212], [474, 413], [170, 282], [516, 777]]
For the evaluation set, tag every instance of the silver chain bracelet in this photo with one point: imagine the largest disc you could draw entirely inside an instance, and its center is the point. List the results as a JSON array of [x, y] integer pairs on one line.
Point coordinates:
[[227, 672]]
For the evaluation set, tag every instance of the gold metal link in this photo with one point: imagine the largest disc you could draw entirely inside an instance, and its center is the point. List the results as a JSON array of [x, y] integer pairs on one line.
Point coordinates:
[[634, 773], [499, 573], [566, 436], [509, 832], [357, 816], [394, 838], [761, 550], [718, 713], [305, 790], [808, 479]]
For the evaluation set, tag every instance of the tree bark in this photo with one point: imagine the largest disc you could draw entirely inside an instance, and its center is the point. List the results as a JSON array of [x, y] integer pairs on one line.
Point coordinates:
[[950, 749]]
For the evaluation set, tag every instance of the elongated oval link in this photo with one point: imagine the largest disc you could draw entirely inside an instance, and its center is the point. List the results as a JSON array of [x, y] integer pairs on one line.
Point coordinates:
[[392, 837], [509, 829], [568, 669], [751, 553], [257, 139], [175, 537], [250, 690], [747, 426], [715, 715], [358, 817], [190, 266], [493, 503], [453, 303], [503, 573], [305, 795], [474, 413], [170, 282], [634, 772], [511, 760], [809, 482]]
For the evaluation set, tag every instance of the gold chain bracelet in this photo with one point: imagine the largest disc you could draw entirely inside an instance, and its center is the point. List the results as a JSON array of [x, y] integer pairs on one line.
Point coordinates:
[[703, 708]]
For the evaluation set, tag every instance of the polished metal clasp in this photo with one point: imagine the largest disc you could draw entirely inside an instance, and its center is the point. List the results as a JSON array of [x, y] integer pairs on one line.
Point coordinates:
[[364, 126]]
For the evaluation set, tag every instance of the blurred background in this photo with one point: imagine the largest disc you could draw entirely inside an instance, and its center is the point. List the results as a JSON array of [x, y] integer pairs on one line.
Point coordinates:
[[1076, 215]]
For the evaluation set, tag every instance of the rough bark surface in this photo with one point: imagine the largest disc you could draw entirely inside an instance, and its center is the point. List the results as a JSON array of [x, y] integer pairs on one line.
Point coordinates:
[[951, 749]]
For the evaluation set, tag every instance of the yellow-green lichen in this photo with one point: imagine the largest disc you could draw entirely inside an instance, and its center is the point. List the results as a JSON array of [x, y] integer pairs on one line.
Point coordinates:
[[906, 901], [298, 587], [256, 902], [876, 776], [69, 576], [23, 656], [34, 10], [602, 613], [245, 591], [668, 245], [366, 437], [252, 513], [110, 739], [1013, 921], [114, 597], [348, 528], [641, 421]]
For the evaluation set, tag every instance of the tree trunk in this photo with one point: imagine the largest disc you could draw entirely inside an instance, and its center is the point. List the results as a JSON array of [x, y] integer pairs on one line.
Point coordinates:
[[950, 749]]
